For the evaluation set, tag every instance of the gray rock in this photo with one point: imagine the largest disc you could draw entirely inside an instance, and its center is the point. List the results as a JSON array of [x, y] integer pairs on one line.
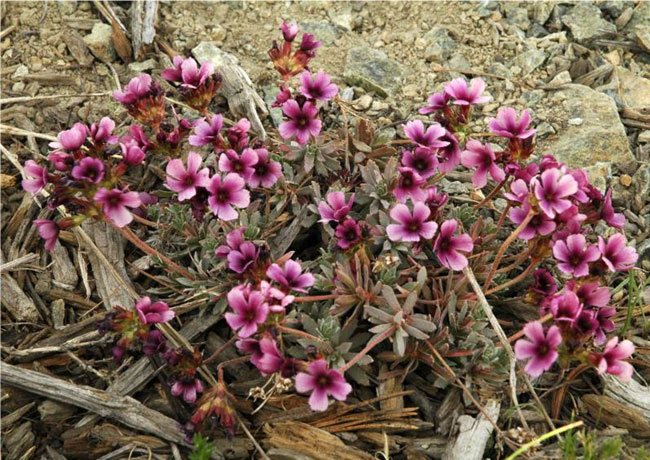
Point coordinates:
[[529, 60], [347, 94], [586, 22], [599, 173], [644, 137], [536, 31], [640, 15], [207, 51], [600, 138], [58, 313], [615, 7], [642, 32], [343, 19], [560, 79], [270, 92], [440, 44], [544, 129], [460, 62], [100, 42], [541, 12], [518, 17], [139, 67], [533, 97], [633, 90], [324, 31], [374, 71]]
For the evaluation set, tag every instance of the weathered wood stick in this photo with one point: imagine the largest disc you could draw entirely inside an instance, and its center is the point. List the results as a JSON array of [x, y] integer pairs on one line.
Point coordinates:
[[123, 409], [474, 434]]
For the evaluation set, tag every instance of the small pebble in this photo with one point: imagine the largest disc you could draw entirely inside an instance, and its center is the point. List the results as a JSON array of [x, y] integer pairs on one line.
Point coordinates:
[[625, 180]]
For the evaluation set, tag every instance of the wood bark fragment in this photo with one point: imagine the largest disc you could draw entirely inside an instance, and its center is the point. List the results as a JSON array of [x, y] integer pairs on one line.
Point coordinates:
[[21, 307], [631, 393], [611, 412], [474, 434], [123, 409], [65, 275], [143, 18], [78, 48]]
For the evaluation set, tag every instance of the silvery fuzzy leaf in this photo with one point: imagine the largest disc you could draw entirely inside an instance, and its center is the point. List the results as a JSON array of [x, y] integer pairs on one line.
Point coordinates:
[[416, 333], [380, 328], [422, 324], [381, 315], [422, 276], [389, 296], [409, 303], [399, 344]]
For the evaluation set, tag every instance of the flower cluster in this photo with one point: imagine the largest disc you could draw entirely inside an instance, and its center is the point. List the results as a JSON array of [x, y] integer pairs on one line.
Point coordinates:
[[287, 62], [197, 86]]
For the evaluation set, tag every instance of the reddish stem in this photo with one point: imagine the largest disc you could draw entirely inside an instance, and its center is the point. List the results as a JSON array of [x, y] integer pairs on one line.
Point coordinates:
[[304, 335], [372, 344], [219, 350], [315, 298]]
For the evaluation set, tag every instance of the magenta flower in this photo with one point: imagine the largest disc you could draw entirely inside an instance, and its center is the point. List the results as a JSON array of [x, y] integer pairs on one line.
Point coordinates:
[[289, 31], [541, 349], [187, 388], [520, 192], [36, 178], [573, 255], [49, 231], [132, 155], [318, 87], [482, 158], [207, 133], [243, 258], [566, 307], [540, 224], [155, 343], [457, 88], [411, 226], [186, 71], [409, 185], [611, 360], [153, 313], [283, 96], [605, 324], [136, 89], [449, 156], [174, 74], [290, 277], [544, 283], [271, 360], [552, 191], [251, 346], [250, 311], [89, 169], [101, 132], [226, 193], [265, 172], [507, 125], [238, 135], [234, 240], [322, 382], [334, 207], [231, 162], [60, 160], [348, 233], [308, 45], [71, 139], [448, 246], [607, 212], [615, 253], [431, 138], [421, 160], [591, 294], [436, 101], [275, 298], [135, 138], [435, 200], [115, 203], [302, 122], [185, 181]]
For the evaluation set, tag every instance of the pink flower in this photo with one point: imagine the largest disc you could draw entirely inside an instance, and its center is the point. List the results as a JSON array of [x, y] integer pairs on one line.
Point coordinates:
[[540, 224], [60, 160], [566, 307], [348, 233], [435, 200], [188, 388], [207, 133], [290, 277], [275, 298], [136, 89], [186, 71], [185, 181], [72, 139], [319, 86], [36, 177], [89, 169], [175, 74], [421, 160], [605, 324], [136, 137], [251, 346], [542, 349], [591, 294], [586, 323], [49, 231], [322, 382], [615, 253], [308, 45], [449, 156], [250, 311], [234, 240], [153, 313], [409, 185], [436, 101], [411, 226], [283, 96], [231, 162], [132, 155], [101, 132], [289, 31], [302, 122], [115, 203], [238, 135], [457, 88], [243, 258], [611, 360], [552, 190], [155, 343], [573, 255], [335, 208], [544, 283], [271, 360], [430, 138], [448, 246], [265, 172], [482, 158], [507, 125], [520, 192], [607, 212], [226, 193]]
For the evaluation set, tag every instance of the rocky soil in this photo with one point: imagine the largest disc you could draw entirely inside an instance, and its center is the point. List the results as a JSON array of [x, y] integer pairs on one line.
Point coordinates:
[[583, 69]]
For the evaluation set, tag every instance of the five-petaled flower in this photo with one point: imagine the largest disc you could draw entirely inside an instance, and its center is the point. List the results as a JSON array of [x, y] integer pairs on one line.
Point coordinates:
[[115, 203], [411, 226], [541, 348], [322, 382], [318, 87], [616, 254], [186, 180], [448, 247], [431, 138], [153, 313], [553, 190], [335, 207], [482, 158], [290, 276], [303, 121], [574, 255], [611, 359], [250, 310], [507, 125], [464, 95], [226, 193]]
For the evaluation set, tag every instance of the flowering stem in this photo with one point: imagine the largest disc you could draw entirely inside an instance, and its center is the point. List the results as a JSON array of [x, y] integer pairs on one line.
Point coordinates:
[[305, 335], [515, 280], [315, 298], [505, 246], [133, 238], [372, 344], [491, 194], [219, 350]]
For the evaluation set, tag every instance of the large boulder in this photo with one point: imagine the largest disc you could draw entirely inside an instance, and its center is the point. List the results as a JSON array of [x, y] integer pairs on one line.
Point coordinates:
[[372, 70]]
